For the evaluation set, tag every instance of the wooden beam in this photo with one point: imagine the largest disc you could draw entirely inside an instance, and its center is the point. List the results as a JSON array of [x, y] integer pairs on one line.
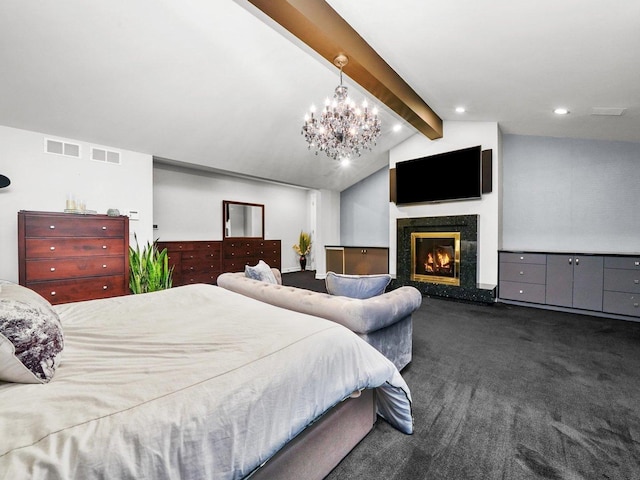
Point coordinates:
[[319, 26]]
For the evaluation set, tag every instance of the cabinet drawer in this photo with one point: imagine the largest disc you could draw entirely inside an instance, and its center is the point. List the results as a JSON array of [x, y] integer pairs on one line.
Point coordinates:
[[537, 258], [199, 255], [210, 277], [622, 280], [176, 246], [524, 292], [631, 263], [524, 272], [236, 265], [74, 267], [72, 247], [238, 251], [210, 247], [79, 226], [63, 291], [621, 303], [199, 266]]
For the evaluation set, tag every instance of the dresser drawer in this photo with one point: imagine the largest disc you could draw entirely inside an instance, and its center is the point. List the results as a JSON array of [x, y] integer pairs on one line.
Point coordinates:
[[524, 292], [71, 247], [523, 272], [176, 246], [54, 268], [631, 263], [70, 226], [64, 291], [201, 255], [238, 250], [622, 280], [621, 303], [536, 258], [210, 277], [199, 266], [236, 265]]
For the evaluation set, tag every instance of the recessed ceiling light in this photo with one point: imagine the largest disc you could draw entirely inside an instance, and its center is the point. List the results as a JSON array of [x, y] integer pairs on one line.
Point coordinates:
[[561, 111], [344, 162], [460, 109], [397, 127]]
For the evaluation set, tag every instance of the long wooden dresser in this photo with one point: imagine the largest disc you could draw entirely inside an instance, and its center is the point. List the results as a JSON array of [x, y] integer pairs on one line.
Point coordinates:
[[203, 260], [71, 257]]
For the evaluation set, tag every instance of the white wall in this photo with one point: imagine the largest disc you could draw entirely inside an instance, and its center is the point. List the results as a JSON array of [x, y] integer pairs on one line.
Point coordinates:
[[188, 206], [41, 181], [571, 195], [457, 135], [327, 228], [364, 212]]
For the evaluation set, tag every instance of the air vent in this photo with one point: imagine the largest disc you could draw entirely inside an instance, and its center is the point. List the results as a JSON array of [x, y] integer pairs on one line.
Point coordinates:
[[104, 155], [58, 147], [608, 111]]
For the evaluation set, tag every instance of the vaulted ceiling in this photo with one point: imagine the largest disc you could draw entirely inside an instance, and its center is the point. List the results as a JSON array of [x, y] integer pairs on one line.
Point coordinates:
[[218, 85]]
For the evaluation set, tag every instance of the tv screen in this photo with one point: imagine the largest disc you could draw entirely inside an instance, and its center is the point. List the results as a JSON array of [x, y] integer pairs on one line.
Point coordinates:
[[439, 178]]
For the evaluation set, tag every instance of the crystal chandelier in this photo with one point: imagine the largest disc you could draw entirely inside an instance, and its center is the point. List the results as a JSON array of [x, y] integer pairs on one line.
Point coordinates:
[[343, 129]]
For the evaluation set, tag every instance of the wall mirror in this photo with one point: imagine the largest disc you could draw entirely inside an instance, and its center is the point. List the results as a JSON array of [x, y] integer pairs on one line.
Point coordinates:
[[242, 219]]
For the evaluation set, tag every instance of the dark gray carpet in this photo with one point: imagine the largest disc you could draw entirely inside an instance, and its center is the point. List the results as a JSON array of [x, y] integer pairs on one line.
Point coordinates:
[[506, 392]]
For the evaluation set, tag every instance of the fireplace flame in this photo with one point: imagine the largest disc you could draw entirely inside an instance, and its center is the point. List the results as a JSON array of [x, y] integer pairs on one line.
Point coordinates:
[[443, 262]]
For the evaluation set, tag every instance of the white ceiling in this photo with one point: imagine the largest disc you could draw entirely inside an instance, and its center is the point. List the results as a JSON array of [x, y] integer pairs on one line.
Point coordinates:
[[214, 84]]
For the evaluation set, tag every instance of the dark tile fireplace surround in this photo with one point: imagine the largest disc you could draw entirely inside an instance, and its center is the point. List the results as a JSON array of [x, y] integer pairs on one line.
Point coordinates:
[[467, 225]]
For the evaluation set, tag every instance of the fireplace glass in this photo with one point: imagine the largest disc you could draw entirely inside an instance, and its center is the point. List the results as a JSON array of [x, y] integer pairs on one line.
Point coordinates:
[[435, 257]]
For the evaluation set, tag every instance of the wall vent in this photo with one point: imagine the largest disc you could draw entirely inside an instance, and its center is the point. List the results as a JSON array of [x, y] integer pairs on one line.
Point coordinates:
[[58, 147], [104, 155], [608, 111]]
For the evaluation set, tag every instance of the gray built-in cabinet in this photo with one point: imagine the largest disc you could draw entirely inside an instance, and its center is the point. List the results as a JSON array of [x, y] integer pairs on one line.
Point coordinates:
[[608, 284]]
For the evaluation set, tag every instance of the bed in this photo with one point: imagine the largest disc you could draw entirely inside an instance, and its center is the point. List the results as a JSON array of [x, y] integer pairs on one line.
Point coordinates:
[[192, 382]]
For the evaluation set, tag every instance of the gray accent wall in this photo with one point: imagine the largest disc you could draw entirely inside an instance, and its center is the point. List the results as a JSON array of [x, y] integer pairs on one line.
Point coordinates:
[[570, 195], [364, 212]]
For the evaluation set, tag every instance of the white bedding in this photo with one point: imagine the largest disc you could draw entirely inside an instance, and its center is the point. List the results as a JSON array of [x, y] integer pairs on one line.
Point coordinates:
[[193, 382]]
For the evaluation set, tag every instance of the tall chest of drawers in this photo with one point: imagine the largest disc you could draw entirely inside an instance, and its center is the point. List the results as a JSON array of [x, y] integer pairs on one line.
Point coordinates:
[[70, 257]]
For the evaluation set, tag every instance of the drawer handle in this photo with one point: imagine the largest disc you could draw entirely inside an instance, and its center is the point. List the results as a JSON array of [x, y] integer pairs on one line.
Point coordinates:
[[53, 294], [52, 248], [577, 261], [636, 282], [52, 227], [521, 258], [190, 268], [635, 305], [637, 264], [53, 269], [104, 247], [521, 291], [180, 246], [104, 266], [104, 228], [104, 287], [521, 273]]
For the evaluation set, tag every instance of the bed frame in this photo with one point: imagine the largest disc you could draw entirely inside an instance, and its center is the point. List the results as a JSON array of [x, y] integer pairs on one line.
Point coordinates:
[[320, 447]]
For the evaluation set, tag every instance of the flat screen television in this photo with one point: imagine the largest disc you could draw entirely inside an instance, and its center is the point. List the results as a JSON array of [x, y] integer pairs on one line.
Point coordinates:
[[440, 178]]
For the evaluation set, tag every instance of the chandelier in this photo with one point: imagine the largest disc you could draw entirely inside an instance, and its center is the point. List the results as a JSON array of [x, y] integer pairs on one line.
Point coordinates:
[[343, 130]]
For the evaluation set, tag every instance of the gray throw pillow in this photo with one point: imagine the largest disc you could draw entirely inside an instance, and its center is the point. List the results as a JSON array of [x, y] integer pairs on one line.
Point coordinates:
[[356, 286], [261, 272], [31, 338]]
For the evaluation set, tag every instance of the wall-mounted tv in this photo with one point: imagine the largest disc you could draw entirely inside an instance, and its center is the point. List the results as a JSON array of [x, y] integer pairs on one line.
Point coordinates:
[[439, 178]]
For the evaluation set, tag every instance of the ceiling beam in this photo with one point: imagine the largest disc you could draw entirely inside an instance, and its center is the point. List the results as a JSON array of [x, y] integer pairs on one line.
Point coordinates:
[[321, 28]]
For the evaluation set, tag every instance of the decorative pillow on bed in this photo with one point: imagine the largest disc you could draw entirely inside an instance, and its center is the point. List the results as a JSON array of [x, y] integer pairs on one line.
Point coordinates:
[[261, 272], [356, 286], [31, 338]]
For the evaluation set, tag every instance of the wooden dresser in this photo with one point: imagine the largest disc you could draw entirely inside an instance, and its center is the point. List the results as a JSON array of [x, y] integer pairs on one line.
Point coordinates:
[[70, 257], [203, 260], [238, 252], [194, 261]]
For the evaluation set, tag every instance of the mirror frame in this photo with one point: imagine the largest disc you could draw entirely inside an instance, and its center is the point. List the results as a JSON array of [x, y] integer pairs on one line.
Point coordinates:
[[225, 209]]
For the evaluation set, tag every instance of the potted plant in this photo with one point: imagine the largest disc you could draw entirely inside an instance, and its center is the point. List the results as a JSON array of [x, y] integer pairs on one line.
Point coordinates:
[[302, 248], [149, 268]]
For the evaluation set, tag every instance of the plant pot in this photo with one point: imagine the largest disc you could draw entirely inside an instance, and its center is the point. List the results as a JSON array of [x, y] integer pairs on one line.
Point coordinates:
[[303, 262]]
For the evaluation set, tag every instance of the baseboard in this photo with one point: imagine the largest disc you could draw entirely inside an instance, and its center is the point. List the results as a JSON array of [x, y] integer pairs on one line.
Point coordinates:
[[577, 311]]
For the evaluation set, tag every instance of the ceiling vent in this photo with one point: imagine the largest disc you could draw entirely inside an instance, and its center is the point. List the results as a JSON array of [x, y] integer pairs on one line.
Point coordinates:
[[58, 147], [608, 111], [104, 155]]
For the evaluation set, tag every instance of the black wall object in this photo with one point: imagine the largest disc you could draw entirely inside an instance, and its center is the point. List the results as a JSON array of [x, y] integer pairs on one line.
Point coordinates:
[[4, 181], [487, 171]]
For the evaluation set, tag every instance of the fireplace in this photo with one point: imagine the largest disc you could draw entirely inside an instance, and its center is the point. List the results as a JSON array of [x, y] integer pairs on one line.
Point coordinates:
[[452, 236], [435, 257]]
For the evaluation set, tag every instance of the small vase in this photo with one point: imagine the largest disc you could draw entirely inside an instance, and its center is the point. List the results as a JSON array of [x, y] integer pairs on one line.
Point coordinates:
[[303, 262]]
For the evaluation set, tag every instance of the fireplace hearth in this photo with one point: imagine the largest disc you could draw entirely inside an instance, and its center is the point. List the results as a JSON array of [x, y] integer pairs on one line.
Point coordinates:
[[439, 256]]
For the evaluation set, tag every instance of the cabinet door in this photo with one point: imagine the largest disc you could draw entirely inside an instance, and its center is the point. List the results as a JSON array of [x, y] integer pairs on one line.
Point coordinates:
[[588, 282], [559, 289]]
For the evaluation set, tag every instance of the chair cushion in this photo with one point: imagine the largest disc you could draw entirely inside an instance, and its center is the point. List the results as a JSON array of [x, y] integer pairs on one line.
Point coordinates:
[[356, 286]]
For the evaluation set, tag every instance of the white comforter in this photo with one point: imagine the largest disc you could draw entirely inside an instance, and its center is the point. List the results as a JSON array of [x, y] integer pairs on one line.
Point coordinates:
[[193, 382]]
